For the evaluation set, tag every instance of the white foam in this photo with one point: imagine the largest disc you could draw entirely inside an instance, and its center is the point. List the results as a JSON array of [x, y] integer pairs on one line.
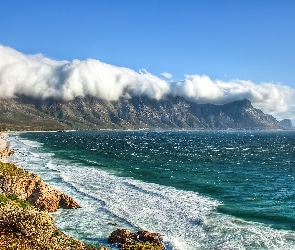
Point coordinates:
[[32, 144], [176, 214]]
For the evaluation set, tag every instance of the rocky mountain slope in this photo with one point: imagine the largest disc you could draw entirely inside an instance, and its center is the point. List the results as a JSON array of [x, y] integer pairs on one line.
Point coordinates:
[[24, 113]]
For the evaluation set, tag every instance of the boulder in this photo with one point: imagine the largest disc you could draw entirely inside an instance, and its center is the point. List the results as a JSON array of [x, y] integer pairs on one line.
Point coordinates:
[[120, 236], [126, 240], [30, 187]]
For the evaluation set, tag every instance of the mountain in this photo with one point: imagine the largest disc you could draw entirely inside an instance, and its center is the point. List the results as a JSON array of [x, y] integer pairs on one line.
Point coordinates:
[[26, 113], [287, 124]]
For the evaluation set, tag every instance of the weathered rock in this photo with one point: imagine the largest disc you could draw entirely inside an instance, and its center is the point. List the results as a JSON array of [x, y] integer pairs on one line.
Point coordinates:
[[146, 236], [30, 187], [127, 240], [120, 236]]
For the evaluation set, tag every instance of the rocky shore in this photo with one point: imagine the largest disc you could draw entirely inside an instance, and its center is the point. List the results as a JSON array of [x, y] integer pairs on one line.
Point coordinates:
[[25, 200], [24, 227], [30, 187]]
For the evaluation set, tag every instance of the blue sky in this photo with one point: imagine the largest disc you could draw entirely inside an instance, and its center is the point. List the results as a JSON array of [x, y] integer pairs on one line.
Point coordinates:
[[229, 39]]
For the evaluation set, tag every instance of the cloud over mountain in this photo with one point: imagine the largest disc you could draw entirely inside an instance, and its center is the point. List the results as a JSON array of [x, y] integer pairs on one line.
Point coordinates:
[[271, 98], [38, 76]]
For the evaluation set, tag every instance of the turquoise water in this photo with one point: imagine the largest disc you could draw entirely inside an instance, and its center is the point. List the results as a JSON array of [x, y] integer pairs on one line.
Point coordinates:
[[201, 189]]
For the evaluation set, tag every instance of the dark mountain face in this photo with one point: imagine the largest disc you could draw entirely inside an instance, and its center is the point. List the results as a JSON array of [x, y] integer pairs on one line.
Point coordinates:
[[287, 124], [26, 113]]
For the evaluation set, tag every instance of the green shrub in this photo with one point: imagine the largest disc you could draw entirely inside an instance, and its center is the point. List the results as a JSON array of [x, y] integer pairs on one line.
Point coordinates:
[[12, 170], [27, 221], [3, 199], [13, 198]]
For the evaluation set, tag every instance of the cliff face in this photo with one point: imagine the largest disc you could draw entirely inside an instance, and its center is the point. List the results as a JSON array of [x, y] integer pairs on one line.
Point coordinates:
[[30, 187], [26, 113]]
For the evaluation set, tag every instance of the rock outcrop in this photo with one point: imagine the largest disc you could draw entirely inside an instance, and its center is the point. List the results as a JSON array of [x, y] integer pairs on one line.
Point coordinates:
[[139, 240], [24, 227], [30, 187]]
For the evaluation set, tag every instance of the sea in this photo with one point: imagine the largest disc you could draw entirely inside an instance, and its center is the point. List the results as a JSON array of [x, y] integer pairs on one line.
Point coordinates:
[[199, 189]]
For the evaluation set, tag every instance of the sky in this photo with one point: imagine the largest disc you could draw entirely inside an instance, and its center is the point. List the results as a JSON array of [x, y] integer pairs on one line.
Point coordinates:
[[206, 51]]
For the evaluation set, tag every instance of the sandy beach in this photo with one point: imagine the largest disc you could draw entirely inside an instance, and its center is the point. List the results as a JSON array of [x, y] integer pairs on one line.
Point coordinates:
[[4, 148], [3, 143]]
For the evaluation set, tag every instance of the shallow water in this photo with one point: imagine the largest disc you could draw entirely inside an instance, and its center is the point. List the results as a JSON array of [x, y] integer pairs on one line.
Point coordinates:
[[200, 189]]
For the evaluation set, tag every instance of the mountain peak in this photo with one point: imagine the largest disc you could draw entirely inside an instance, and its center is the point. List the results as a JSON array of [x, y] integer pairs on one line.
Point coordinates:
[[245, 103]]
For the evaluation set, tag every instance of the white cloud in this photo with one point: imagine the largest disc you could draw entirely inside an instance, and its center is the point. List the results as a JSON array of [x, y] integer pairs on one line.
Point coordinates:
[[167, 75], [36, 75]]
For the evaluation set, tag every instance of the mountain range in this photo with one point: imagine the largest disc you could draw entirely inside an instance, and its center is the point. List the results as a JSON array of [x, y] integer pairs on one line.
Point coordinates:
[[171, 112]]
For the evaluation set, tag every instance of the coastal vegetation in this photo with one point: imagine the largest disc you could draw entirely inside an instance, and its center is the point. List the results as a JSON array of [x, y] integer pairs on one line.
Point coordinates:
[[24, 227], [12, 170], [13, 199]]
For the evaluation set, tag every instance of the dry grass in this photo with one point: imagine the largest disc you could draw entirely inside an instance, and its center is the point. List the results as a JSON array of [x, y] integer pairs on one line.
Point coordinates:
[[12, 170]]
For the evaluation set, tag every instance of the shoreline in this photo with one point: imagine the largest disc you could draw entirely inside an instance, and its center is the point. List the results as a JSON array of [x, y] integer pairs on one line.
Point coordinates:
[[118, 238], [5, 150], [11, 206], [3, 143]]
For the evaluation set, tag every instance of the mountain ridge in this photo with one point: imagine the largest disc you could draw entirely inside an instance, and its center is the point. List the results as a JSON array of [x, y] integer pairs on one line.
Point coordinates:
[[171, 112]]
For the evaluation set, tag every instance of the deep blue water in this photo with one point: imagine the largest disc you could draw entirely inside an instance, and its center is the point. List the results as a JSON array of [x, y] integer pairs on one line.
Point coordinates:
[[241, 182]]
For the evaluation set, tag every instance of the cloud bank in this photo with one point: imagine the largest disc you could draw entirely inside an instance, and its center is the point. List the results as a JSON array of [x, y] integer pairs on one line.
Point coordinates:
[[38, 76]]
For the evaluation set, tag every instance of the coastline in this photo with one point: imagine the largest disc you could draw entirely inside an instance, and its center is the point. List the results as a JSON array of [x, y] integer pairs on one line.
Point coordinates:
[[17, 211], [41, 231], [3, 142]]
